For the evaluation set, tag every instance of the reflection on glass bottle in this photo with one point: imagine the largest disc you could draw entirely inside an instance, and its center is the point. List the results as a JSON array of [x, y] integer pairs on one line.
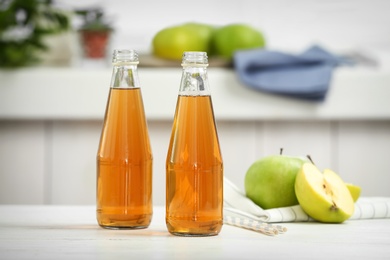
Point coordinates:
[[194, 168], [124, 159]]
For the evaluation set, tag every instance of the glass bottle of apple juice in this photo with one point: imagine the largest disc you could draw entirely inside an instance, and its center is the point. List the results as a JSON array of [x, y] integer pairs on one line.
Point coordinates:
[[124, 158], [194, 167]]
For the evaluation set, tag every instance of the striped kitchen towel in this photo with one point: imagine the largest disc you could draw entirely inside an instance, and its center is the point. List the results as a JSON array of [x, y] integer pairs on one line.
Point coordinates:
[[237, 205]]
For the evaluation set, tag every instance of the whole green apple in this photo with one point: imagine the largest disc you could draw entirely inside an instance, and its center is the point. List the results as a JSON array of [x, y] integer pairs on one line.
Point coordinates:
[[232, 37], [171, 42], [269, 182]]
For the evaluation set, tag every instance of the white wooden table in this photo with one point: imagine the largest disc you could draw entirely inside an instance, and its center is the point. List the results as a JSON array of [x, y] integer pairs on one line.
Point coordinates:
[[71, 232]]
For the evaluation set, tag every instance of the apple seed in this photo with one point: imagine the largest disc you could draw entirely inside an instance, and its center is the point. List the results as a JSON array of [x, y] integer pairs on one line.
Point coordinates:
[[334, 207]]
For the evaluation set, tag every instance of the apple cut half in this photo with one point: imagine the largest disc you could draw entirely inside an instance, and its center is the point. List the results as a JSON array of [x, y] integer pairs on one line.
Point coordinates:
[[354, 190], [323, 196]]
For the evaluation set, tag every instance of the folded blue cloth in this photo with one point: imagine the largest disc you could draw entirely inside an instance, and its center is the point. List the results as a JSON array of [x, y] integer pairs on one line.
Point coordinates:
[[305, 76]]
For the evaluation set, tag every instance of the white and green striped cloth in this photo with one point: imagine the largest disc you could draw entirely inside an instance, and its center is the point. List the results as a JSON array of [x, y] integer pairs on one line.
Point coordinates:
[[241, 211]]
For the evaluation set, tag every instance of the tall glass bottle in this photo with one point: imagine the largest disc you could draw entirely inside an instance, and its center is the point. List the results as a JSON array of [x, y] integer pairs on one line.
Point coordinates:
[[194, 168], [124, 158]]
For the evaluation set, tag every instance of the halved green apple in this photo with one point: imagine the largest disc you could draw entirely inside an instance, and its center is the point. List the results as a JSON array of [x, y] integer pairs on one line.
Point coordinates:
[[323, 196], [354, 190]]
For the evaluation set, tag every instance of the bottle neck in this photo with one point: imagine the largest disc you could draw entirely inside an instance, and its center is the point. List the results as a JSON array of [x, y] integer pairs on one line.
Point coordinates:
[[125, 75], [194, 81]]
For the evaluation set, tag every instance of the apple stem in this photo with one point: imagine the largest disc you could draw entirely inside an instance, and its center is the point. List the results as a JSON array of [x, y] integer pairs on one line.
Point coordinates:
[[309, 157], [281, 151]]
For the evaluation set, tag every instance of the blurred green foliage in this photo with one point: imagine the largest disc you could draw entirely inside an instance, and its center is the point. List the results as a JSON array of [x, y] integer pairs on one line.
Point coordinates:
[[23, 26]]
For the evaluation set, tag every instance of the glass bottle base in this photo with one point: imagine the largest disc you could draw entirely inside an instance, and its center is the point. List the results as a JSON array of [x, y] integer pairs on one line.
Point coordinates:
[[183, 234], [123, 227], [210, 228], [110, 221]]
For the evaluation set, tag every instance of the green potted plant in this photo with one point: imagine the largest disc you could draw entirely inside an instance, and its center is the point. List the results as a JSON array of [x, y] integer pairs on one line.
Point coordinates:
[[24, 26], [95, 33]]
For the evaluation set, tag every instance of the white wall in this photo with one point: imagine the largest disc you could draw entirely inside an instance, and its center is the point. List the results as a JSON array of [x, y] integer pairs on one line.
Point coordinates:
[[287, 25], [53, 162]]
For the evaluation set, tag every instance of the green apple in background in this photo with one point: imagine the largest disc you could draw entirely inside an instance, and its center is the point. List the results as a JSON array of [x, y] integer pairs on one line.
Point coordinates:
[[323, 196], [354, 190], [269, 182], [171, 42], [230, 38]]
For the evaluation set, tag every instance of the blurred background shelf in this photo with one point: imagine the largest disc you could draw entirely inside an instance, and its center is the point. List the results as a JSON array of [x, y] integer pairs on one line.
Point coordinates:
[[76, 94]]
